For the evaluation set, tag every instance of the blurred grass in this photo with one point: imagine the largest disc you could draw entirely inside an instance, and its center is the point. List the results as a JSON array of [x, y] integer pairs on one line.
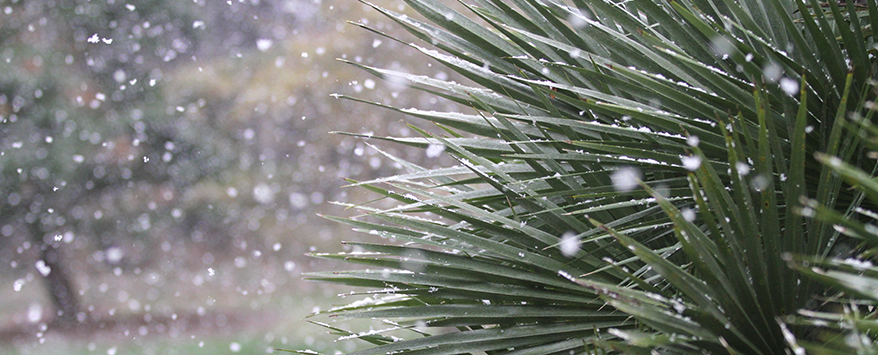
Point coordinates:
[[148, 346], [248, 321], [258, 332]]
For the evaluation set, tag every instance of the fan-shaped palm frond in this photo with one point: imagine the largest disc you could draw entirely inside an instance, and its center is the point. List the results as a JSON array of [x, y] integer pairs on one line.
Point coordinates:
[[845, 319], [630, 178]]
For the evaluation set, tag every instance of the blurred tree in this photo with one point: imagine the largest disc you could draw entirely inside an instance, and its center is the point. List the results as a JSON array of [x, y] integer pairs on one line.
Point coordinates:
[[132, 131], [84, 129]]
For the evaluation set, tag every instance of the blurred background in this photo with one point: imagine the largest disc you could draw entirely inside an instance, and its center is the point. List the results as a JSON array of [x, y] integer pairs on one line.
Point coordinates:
[[163, 165]]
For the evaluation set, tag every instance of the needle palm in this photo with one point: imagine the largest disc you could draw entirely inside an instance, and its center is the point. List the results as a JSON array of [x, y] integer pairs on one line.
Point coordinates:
[[634, 176]]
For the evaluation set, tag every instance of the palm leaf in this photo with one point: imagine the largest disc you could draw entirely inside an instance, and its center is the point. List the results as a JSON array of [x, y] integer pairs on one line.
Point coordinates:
[[631, 176]]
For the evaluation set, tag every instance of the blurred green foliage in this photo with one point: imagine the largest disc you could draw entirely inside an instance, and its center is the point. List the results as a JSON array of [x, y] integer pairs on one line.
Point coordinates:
[[142, 143]]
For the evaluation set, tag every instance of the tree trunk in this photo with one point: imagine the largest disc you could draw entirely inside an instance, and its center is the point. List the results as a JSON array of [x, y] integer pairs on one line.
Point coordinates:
[[58, 281]]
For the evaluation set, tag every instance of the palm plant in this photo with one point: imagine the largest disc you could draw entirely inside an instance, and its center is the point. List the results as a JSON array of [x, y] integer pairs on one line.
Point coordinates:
[[635, 176], [848, 316]]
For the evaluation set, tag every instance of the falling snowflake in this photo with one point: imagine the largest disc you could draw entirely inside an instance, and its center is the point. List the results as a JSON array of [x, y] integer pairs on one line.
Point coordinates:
[[434, 150], [789, 86], [691, 162], [43, 268], [264, 44], [742, 168], [688, 214], [625, 179], [569, 244]]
